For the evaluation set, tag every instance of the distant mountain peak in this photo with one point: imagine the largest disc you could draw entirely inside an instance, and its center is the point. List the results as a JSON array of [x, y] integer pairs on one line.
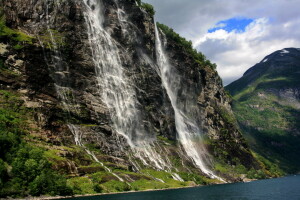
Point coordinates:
[[281, 63]]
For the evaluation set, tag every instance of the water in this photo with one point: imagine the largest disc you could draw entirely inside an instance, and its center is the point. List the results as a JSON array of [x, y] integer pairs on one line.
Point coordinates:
[[113, 84], [117, 90], [287, 188], [60, 73], [189, 133]]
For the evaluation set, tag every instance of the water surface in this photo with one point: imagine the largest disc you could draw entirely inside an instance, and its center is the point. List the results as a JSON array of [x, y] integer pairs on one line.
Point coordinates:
[[287, 188]]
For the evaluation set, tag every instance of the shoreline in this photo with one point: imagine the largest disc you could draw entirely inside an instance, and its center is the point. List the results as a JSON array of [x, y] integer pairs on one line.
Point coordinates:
[[125, 192], [112, 193], [128, 192], [132, 191]]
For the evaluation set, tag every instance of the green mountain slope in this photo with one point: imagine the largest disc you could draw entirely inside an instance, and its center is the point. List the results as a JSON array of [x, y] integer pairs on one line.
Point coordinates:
[[267, 106]]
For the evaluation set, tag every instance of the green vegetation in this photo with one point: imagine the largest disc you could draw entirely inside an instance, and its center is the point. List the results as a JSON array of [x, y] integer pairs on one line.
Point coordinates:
[[271, 167], [200, 180], [115, 186], [53, 39], [266, 124], [81, 185], [53, 156], [270, 123], [145, 6], [17, 38], [148, 8], [226, 115], [237, 170], [144, 184], [104, 182], [23, 168], [186, 45], [166, 140]]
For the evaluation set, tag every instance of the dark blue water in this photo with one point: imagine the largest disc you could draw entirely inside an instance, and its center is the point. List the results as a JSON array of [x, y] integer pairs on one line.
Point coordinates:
[[287, 188]]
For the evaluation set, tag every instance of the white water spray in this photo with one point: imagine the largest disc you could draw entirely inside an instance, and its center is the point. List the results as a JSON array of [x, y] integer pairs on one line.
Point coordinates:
[[189, 133], [65, 93], [117, 91]]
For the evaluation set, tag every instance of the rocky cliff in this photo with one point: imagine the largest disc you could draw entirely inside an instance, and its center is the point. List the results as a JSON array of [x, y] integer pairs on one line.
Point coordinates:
[[87, 74], [266, 103]]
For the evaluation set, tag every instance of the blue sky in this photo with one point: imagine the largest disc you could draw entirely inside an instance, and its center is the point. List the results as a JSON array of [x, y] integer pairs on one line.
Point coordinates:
[[238, 24], [262, 27]]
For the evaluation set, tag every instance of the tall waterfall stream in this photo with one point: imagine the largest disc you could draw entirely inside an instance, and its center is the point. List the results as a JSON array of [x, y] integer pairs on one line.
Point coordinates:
[[189, 133], [117, 92]]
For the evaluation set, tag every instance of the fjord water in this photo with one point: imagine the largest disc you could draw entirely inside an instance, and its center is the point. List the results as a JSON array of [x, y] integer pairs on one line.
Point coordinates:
[[287, 188]]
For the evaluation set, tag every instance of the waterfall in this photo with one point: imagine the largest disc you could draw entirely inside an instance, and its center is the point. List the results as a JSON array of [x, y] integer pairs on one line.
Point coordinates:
[[60, 72], [113, 85], [188, 131], [117, 91]]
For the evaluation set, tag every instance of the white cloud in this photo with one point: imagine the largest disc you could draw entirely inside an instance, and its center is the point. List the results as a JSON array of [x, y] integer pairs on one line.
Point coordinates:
[[235, 52], [276, 26]]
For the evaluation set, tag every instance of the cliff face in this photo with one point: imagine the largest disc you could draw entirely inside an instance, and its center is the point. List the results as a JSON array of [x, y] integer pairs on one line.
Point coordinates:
[[54, 71], [266, 103]]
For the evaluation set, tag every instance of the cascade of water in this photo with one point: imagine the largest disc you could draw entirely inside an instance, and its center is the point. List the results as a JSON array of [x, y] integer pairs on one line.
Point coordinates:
[[113, 85], [188, 131], [77, 135], [64, 92], [116, 89]]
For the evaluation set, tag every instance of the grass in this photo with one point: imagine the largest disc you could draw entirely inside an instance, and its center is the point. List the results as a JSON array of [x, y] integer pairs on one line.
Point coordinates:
[[81, 185], [169, 182], [104, 182], [144, 184], [115, 186], [18, 38], [198, 179], [53, 155]]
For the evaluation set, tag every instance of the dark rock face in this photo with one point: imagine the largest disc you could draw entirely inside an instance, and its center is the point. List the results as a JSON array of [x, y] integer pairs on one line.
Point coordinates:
[[42, 72]]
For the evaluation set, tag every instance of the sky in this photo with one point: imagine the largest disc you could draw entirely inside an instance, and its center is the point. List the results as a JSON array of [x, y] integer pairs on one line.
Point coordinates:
[[234, 34]]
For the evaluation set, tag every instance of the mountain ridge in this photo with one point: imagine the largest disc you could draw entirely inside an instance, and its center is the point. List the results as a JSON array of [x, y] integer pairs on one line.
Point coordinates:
[[266, 104]]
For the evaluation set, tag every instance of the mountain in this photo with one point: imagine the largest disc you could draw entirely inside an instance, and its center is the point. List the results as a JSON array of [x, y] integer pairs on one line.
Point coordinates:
[[267, 106], [96, 98]]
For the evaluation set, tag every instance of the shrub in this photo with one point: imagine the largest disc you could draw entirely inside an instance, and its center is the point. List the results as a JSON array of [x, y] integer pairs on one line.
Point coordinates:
[[49, 182], [16, 37], [81, 185], [148, 8], [30, 172], [187, 45], [3, 173], [116, 186]]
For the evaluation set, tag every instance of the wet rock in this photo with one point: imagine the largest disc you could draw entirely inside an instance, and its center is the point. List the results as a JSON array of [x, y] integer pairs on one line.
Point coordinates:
[[61, 84]]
